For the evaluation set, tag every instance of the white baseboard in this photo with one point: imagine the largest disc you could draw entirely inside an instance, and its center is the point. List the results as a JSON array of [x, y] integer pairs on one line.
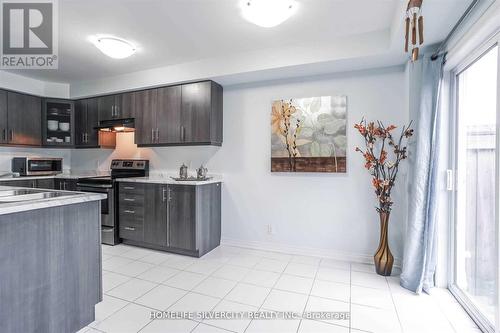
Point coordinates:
[[305, 251]]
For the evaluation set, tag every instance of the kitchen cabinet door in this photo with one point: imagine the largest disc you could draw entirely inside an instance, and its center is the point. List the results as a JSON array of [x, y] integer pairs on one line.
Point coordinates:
[[106, 107], [86, 120], [45, 183], [92, 122], [155, 215], [24, 119], [65, 184], [182, 217], [80, 122], [125, 105], [3, 117], [145, 121], [19, 183], [168, 115], [196, 112]]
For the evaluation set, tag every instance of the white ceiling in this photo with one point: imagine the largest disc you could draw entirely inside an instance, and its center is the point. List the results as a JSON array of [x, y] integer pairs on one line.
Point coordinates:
[[177, 32]]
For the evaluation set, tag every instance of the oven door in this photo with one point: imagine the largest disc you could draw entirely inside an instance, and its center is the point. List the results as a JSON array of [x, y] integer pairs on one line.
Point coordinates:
[[107, 205], [44, 166]]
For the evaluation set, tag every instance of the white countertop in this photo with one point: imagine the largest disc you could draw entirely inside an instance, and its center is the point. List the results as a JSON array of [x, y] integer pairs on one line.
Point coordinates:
[[64, 175], [22, 206], [164, 179]]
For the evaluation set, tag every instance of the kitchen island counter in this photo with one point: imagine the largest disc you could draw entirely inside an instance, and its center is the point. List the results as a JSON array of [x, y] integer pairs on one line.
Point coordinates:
[[60, 198], [50, 259]]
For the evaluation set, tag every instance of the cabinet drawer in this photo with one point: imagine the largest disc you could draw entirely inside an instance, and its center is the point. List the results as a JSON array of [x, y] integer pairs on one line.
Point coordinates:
[[131, 220], [130, 199], [132, 232], [132, 188], [131, 211]]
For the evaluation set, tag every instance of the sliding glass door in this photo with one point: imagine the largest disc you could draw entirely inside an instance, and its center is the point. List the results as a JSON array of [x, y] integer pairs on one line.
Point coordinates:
[[475, 234]]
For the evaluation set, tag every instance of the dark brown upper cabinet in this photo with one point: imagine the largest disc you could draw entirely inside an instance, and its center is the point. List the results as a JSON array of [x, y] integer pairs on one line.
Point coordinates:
[[158, 118], [3, 117], [201, 121], [86, 119], [145, 117], [168, 115], [116, 106], [24, 119], [58, 123], [189, 114], [125, 105], [106, 106]]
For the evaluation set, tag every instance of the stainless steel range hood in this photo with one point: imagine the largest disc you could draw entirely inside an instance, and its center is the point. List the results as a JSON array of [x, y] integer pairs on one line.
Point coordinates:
[[117, 125]]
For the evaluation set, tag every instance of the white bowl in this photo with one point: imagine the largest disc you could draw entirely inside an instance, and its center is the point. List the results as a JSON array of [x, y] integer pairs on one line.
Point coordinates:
[[52, 125], [64, 127]]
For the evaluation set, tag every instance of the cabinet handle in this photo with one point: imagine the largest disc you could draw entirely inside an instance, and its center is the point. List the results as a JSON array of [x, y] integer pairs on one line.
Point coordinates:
[[157, 135], [83, 137], [4, 135], [168, 224], [64, 186], [152, 135], [129, 228], [183, 134], [129, 188], [11, 133], [129, 199], [129, 211], [86, 137], [163, 196], [169, 198]]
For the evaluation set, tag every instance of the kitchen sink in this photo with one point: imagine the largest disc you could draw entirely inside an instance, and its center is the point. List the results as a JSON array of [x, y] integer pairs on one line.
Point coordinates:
[[29, 194]]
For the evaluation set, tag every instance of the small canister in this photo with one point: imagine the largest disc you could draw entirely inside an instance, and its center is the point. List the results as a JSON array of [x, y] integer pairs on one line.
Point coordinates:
[[183, 171]]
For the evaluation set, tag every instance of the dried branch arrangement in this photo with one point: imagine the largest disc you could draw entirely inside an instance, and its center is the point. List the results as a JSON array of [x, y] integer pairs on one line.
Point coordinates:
[[379, 143]]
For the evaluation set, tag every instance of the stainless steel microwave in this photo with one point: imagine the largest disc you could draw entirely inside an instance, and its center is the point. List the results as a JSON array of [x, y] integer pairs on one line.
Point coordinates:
[[37, 166]]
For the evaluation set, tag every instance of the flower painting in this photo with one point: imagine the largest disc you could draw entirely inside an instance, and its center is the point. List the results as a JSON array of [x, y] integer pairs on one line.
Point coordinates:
[[309, 134]]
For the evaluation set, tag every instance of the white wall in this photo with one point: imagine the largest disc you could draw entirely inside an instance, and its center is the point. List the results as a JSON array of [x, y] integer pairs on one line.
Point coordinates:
[[314, 213], [28, 85]]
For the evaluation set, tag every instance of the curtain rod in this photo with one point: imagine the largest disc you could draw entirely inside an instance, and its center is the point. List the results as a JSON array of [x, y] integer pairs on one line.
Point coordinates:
[[466, 14]]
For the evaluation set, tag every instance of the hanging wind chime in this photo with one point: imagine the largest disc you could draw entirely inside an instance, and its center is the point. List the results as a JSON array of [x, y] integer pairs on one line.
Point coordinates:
[[414, 23]]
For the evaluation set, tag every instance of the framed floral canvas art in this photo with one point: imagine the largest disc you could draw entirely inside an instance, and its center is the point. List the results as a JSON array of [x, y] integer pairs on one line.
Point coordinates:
[[309, 134]]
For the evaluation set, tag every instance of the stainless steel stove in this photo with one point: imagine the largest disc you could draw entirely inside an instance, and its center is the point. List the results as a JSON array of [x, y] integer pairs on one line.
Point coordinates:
[[119, 169]]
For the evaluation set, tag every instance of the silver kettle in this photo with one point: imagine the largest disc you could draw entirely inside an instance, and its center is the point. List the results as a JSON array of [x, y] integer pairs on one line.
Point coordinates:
[[201, 172]]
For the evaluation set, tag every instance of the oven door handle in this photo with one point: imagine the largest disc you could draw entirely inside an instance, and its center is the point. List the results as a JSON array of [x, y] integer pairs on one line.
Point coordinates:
[[87, 186]]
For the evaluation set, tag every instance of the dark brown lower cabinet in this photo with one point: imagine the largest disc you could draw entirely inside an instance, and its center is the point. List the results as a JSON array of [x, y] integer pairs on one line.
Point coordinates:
[[20, 183], [65, 184], [155, 215], [44, 183], [183, 219]]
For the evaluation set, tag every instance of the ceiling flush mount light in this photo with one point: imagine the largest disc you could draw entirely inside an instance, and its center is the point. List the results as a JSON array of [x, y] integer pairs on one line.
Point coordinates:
[[268, 13], [113, 47], [414, 23]]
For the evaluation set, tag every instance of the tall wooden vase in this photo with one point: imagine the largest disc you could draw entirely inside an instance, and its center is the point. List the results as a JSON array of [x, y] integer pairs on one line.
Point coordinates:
[[383, 257]]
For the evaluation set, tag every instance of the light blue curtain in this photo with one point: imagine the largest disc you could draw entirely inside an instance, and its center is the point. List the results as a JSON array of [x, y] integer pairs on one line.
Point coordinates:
[[420, 254]]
